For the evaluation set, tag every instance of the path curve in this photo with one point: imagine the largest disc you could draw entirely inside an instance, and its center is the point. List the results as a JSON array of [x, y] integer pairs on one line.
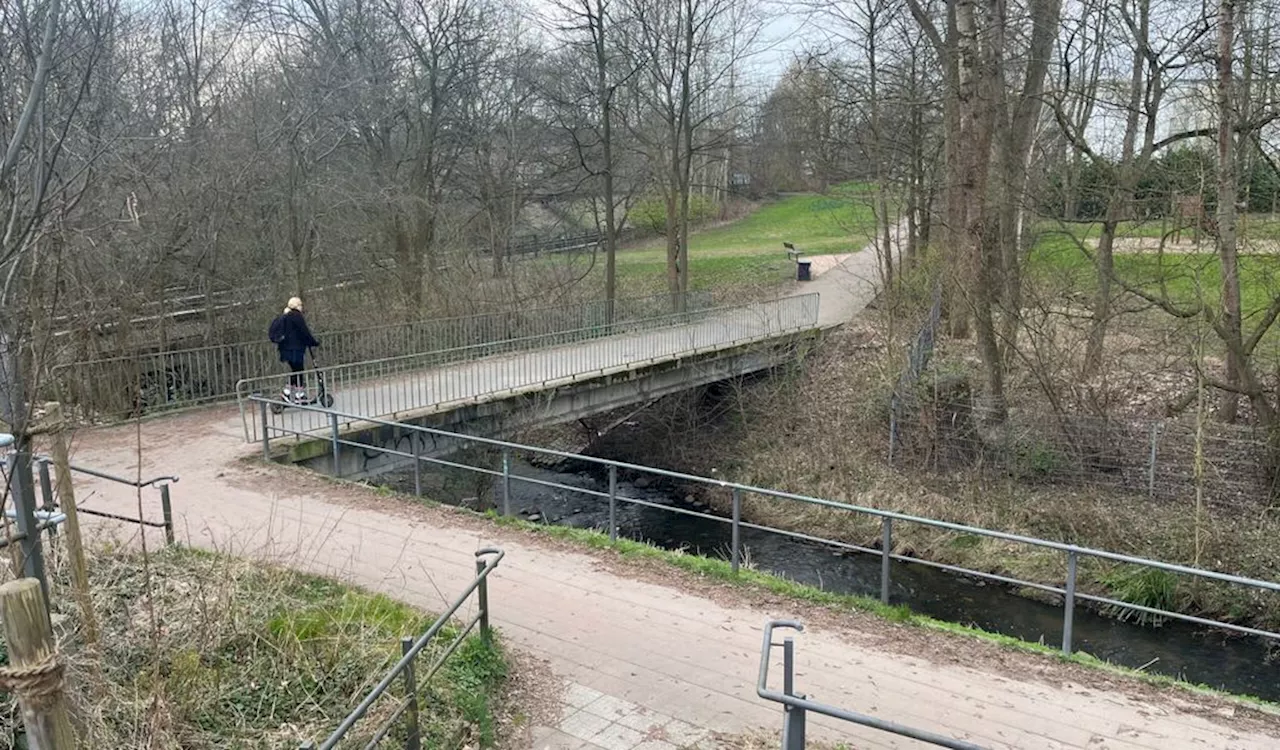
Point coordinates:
[[651, 661]]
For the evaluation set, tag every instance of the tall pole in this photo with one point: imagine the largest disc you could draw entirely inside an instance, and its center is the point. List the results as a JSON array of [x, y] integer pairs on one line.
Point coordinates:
[[13, 410]]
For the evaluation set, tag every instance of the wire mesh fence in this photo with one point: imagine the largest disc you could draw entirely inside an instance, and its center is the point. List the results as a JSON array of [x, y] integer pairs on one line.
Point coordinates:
[[1226, 466], [918, 355]]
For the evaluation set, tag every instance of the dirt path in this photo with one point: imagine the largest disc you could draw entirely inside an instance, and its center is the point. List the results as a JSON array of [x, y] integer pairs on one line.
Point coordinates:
[[651, 658]]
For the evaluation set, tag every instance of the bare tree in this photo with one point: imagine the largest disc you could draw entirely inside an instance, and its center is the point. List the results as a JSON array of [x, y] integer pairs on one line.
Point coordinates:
[[686, 50]]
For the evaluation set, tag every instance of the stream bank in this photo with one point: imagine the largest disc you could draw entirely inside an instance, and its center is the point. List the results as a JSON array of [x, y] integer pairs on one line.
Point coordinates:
[[560, 494]]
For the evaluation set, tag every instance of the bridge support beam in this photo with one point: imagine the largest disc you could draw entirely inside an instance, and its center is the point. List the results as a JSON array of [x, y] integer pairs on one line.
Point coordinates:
[[565, 403]]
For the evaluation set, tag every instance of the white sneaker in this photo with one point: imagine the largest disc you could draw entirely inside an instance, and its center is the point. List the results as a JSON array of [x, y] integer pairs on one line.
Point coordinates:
[[300, 396], [287, 393]]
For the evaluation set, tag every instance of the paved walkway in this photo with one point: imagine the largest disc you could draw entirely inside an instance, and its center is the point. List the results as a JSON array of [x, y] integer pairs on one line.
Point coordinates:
[[646, 664]]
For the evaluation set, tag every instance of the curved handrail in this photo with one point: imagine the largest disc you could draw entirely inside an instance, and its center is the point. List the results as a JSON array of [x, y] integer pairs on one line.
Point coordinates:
[[153, 482], [801, 704]]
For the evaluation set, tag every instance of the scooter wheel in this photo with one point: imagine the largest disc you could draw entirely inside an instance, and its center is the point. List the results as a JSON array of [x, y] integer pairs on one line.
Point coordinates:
[[277, 408], [327, 401]]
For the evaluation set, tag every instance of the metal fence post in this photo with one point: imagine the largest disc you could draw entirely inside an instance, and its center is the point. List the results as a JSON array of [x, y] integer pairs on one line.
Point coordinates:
[[735, 532], [613, 503], [1069, 603], [482, 594], [417, 465], [333, 420], [413, 734], [166, 508], [1151, 461], [24, 500], [266, 431], [893, 426], [46, 494], [886, 556], [792, 717], [506, 481]]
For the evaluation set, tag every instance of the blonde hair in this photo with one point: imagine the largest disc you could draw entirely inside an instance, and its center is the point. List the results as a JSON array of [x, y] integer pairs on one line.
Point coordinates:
[[293, 304]]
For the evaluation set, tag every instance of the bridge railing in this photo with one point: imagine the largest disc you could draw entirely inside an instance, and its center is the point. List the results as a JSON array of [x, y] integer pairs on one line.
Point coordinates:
[[121, 386], [445, 379], [731, 496]]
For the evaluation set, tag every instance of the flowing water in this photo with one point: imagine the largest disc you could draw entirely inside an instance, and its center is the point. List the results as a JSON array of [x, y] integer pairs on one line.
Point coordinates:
[[1232, 663]]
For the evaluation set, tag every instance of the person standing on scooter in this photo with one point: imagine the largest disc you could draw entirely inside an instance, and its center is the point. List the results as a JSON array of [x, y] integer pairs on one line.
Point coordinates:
[[289, 332]]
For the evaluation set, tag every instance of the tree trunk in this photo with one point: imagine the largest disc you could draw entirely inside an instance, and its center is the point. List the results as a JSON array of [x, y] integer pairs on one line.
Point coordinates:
[[979, 61], [1227, 196], [1124, 181], [605, 99], [1104, 265]]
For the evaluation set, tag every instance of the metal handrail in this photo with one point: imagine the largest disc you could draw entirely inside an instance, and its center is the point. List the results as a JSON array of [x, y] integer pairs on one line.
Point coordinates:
[[395, 381], [452, 319], [207, 374], [796, 705], [487, 560], [657, 321], [888, 518], [155, 481], [161, 483]]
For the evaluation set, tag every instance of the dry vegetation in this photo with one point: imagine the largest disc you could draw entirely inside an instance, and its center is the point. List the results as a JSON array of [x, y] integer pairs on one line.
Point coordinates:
[[205, 651], [822, 429]]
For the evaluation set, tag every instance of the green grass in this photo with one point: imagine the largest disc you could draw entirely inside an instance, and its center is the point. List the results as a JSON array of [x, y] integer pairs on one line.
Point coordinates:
[[248, 655], [1183, 278], [1249, 227], [721, 571], [749, 251]]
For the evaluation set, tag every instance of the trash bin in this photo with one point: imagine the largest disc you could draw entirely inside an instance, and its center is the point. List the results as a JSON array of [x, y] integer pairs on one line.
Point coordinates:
[[802, 270]]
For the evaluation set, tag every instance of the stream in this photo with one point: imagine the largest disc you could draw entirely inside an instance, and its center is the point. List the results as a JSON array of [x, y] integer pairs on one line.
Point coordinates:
[[1237, 664]]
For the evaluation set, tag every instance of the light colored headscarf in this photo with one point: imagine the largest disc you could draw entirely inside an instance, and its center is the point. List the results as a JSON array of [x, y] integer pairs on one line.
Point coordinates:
[[294, 304]]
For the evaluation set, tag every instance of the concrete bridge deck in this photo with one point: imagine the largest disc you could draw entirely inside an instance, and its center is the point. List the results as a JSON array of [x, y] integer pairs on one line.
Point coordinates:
[[414, 384]]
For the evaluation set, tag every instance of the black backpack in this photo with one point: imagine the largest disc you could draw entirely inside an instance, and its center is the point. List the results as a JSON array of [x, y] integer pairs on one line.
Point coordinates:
[[276, 331]]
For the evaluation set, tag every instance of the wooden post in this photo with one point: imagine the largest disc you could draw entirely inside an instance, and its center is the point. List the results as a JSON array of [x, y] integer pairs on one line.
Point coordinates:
[[56, 428], [34, 672]]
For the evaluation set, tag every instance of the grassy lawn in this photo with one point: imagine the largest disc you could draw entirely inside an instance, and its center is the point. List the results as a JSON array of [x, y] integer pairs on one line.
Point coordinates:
[[1250, 227], [1183, 277], [749, 252]]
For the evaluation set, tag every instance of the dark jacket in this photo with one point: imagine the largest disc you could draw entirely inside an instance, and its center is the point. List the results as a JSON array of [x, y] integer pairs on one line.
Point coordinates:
[[297, 338]]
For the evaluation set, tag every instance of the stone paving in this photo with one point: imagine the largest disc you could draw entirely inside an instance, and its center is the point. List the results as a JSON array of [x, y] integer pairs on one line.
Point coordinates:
[[592, 720]]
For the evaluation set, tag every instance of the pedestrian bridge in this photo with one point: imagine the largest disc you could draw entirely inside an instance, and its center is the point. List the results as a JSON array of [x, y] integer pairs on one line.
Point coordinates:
[[494, 387]]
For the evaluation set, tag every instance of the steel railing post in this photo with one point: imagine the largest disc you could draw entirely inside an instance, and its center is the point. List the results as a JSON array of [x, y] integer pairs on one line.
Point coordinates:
[[333, 421], [24, 500], [413, 734], [417, 465], [1069, 603], [613, 503], [506, 481], [166, 509], [735, 532], [46, 494], [886, 556], [792, 717], [482, 595], [266, 431]]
